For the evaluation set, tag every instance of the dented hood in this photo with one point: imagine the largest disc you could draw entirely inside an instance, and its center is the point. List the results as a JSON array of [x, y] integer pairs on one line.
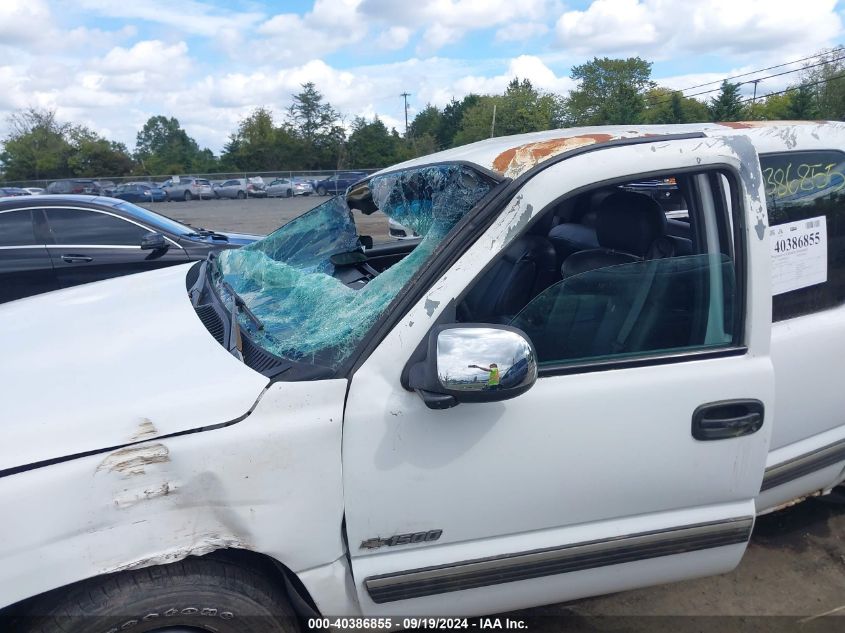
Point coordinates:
[[111, 363]]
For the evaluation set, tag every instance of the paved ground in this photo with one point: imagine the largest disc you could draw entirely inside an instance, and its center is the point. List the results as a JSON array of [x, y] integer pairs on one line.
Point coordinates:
[[257, 215], [794, 567]]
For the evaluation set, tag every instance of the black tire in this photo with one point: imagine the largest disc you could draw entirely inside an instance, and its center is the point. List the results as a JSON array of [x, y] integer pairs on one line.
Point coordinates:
[[188, 196], [200, 594], [289, 193], [241, 195], [321, 191]]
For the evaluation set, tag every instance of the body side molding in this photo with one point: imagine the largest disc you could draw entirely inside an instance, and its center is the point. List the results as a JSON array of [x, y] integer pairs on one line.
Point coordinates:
[[803, 465], [482, 572]]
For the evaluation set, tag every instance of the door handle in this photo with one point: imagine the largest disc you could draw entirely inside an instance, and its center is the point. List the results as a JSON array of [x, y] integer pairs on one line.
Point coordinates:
[[77, 259], [727, 418]]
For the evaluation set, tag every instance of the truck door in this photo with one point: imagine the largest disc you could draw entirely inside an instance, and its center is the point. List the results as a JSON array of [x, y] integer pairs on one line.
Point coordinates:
[[636, 456]]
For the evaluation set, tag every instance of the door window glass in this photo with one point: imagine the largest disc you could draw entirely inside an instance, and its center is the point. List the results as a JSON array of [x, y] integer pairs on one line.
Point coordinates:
[[805, 197], [16, 228], [618, 272], [84, 228]]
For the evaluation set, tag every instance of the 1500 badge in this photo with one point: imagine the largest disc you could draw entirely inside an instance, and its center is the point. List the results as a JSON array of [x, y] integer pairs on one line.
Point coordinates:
[[401, 539]]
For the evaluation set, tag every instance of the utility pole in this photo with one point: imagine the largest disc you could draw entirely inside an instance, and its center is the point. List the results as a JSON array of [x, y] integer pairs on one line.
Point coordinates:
[[493, 122], [755, 82], [405, 96]]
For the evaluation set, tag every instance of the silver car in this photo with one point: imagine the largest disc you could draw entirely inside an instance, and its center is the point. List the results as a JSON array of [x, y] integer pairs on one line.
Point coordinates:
[[285, 188], [188, 188], [240, 188]]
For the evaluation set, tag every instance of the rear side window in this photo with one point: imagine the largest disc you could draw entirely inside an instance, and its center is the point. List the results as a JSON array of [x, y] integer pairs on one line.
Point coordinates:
[[16, 229], [805, 196], [89, 228]]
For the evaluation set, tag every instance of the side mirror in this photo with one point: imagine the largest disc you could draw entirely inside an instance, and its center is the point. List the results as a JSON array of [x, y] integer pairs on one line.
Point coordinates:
[[153, 242], [474, 362]]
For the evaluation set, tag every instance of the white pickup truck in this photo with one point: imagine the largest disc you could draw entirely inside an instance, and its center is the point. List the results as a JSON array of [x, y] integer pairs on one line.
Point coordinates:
[[571, 384]]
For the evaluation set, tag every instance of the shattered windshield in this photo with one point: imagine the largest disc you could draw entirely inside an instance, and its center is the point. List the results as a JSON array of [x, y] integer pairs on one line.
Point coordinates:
[[292, 279]]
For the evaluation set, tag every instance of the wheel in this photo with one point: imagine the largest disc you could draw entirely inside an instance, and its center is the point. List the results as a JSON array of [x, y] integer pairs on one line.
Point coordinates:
[[196, 594], [241, 195], [188, 196], [321, 191], [288, 193]]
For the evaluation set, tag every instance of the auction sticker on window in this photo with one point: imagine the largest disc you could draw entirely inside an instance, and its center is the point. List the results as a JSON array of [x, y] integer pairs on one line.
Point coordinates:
[[799, 254]]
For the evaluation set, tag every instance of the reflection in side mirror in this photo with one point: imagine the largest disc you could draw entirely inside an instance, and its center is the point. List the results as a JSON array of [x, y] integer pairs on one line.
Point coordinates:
[[153, 242], [474, 363]]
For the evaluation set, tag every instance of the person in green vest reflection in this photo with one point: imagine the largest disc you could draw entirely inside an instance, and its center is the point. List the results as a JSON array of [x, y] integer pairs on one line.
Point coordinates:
[[492, 374]]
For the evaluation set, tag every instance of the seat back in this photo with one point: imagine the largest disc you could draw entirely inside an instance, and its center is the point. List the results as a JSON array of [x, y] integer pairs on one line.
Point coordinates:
[[629, 227], [525, 269]]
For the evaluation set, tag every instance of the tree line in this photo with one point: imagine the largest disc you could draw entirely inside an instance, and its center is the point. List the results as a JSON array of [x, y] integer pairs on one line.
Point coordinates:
[[312, 135]]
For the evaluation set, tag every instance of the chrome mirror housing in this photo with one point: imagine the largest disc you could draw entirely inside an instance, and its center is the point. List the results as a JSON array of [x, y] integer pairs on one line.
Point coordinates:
[[474, 363]]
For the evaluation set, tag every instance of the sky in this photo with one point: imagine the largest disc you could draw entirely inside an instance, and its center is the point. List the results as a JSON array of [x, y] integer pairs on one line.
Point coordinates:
[[111, 64]]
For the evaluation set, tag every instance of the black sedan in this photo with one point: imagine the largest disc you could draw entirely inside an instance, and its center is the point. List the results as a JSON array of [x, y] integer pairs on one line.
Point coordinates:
[[51, 242]]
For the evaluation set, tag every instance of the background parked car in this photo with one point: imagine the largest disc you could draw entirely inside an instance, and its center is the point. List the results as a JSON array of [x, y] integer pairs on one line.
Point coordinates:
[[399, 231], [35, 190], [13, 192], [75, 185], [140, 192], [287, 187], [339, 182], [62, 241], [188, 188], [239, 188], [107, 187]]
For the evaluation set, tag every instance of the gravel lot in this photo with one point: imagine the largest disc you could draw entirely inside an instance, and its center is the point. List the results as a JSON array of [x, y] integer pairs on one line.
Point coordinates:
[[794, 567]]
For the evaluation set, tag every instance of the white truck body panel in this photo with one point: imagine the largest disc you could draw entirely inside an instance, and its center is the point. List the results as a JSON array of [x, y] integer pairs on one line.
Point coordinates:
[[120, 481], [139, 343], [270, 483], [510, 473]]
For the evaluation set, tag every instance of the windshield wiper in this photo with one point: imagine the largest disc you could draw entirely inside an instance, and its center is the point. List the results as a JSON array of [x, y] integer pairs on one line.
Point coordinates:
[[238, 302], [200, 232]]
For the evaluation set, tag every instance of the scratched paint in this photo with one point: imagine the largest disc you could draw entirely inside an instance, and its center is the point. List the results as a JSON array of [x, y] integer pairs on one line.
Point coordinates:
[[133, 460]]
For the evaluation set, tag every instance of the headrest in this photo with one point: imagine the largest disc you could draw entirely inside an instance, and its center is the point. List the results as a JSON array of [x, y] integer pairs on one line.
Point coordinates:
[[629, 222]]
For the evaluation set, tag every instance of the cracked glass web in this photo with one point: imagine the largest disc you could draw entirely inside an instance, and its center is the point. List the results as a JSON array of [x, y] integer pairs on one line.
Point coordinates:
[[286, 278]]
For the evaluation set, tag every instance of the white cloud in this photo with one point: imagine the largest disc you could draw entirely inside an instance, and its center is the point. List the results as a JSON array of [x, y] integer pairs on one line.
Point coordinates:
[[394, 38], [447, 21], [21, 20], [148, 56], [661, 28], [522, 67], [521, 31], [186, 16]]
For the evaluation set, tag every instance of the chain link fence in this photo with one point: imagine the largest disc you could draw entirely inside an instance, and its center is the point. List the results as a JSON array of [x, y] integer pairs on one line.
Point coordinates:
[[266, 176]]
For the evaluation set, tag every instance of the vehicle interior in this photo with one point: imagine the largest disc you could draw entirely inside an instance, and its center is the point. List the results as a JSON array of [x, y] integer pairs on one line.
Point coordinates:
[[616, 270]]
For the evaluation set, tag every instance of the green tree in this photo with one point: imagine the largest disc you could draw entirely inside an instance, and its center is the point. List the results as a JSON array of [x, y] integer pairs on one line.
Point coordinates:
[[371, 144], [477, 121], [319, 127], [253, 147], [829, 80], [524, 109], [727, 105], [36, 146], [163, 147], [670, 106], [802, 104], [610, 91], [450, 121], [91, 155], [427, 121]]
